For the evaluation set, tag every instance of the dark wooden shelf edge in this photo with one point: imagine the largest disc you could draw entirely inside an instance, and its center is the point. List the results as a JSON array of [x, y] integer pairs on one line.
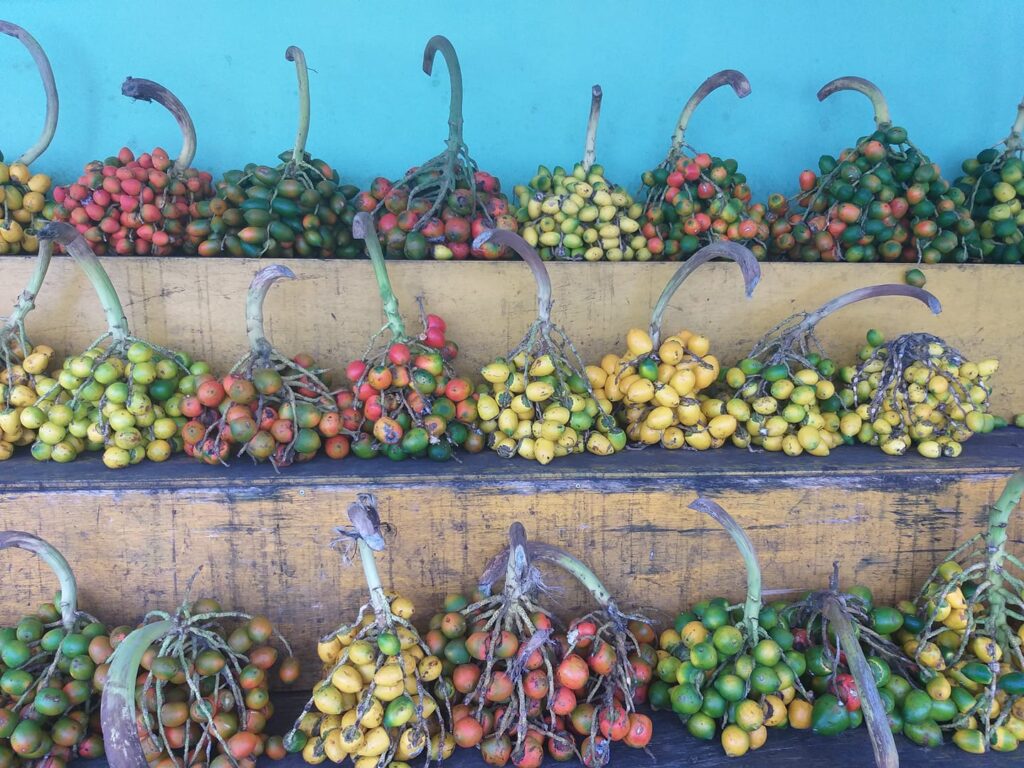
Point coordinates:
[[996, 454]]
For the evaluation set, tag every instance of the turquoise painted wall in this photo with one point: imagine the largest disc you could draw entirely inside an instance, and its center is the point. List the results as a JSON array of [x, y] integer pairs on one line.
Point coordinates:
[[951, 70]]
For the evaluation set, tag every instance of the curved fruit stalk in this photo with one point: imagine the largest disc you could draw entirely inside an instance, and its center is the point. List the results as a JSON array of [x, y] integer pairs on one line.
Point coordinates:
[[405, 396], [277, 408], [731, 77], [452, 171], [846, 618], [296, 208], [546, 370], [140, 89], [892, 378], [372, 702], [982, 584], [193, 673], [590, 142], [117, 333], [53, 659], [745, 260], [793, 339], [869, 89], [49, 86], [60, 567], [614, 645]]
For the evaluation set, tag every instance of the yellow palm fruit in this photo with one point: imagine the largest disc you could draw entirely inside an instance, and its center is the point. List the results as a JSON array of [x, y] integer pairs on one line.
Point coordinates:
[[496, 372], [683, 382], [312, 754], [688, 412], [638, 341], [700, 441], [347, 679], [986, 649], [673, 438], [640, 391], [327, 699], [544, 450], [791, 445], [660, 418], [722, 426], [595, 375], [671, 351]]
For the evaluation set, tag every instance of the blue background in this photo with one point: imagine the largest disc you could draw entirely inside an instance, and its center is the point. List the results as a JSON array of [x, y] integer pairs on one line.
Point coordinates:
[[951, 71]]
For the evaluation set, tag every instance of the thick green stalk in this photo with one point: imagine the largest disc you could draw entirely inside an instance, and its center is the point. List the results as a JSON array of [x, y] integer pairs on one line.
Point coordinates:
[[67, 236], [533, 260], [366, 525], [744, 258], [995, 544], [49, 85], [441, 44], [258, 289], [882, 741], [378, 599], [27, 299], [1013, 141], [141, 89], [575, 568], [752, 604], [590, 142], [731, 77], [860, 85], [60, 567], [872, 292], [294, 53], [117, 707], [363, 228]]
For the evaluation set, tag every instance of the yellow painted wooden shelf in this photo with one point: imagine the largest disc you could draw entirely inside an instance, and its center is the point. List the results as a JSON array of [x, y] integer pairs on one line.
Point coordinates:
[[135, 536]]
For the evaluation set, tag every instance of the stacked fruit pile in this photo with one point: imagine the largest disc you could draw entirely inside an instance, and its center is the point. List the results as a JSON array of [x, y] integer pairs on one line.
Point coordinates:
[[580, 215], [128, 205], [882, 200], [437, 208], [538, 402], [373, 704], [122, 398], [654, 390], [917, 391], [53, 661], [298, 208], [405, 400], [693, 198]]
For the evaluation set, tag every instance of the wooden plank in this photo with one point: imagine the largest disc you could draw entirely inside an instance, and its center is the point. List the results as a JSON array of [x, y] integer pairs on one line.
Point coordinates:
[[135, 537], [196, 305]]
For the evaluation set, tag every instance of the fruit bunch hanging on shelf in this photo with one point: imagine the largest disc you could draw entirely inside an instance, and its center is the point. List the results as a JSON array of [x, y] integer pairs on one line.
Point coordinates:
[[537, 402], [967, 635], [881, 200], [405, 401], [579, 215], [693, 198], [121, 395], [270, 407], [53, 662], [993, 183], [784, 394], [654, 390], [193, 687], [437, 208], [24, 204], [128, 205], [24, 365], [917, 391], [296, 209], [382, 701]]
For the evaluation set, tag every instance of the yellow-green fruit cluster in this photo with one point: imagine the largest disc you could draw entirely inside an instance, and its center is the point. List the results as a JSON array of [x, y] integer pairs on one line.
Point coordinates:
[[125, 406], [18, 390], [657, 396], [944, 404], [540, 409], [373, 701], [23, 208], [580, 215], [785, 408]]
